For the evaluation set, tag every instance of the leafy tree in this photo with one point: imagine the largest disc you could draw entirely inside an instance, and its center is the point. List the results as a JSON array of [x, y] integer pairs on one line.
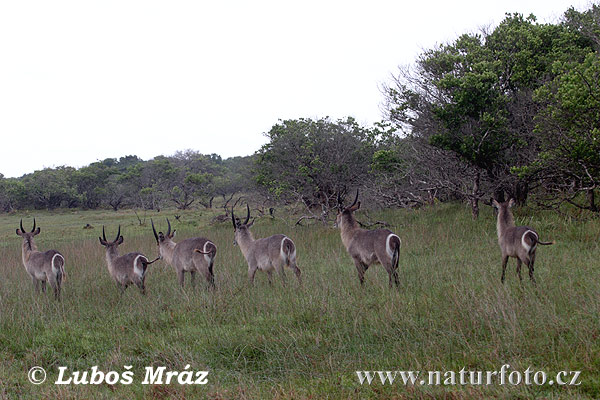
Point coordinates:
[[314, 160]]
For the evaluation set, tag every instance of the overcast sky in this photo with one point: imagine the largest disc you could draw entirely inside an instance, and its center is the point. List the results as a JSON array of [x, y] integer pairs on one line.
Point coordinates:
[[81, 80]]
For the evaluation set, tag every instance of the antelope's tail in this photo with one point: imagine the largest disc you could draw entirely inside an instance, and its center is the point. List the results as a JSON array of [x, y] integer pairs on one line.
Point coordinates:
[[546, 243], [61, 275], [392, 245], [288, 251]]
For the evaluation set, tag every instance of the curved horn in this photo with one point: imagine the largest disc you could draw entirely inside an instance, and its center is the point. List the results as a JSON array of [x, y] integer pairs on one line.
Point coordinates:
[[22, 230], [33, 230], [118, 234], [154, 230], [248, 216], [233, 218], [169, 229], [355, 199], [103, 234]]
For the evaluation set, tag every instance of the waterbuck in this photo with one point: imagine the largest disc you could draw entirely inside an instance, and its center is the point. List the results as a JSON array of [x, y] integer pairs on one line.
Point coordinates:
[[267, 254], [47, 266], [190, 255], [515, 241], [367, 247], [126, 269]]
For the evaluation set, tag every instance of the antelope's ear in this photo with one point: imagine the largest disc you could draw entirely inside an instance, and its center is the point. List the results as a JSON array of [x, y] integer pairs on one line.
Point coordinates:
[[495, 203], [172, 235], [355, 207], [248, 225], [37, 231], [102, 242], [19, 232], [511, 203], [120, 239]]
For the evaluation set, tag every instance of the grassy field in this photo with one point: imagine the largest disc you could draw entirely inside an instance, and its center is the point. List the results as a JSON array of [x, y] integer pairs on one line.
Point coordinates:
[[296, 342]]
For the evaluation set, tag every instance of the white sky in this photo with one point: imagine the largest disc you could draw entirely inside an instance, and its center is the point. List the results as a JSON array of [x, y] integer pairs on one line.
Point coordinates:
[[83, 80]]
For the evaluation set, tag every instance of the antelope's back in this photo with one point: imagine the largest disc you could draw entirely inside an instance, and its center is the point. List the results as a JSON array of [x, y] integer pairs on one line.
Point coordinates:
[[185, 249]]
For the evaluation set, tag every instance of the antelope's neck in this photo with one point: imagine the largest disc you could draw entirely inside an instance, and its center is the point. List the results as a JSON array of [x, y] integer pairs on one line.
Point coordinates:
[[348, 229], [505, 221], [167, 249], [26, 249], [245, 240], [111, 255]]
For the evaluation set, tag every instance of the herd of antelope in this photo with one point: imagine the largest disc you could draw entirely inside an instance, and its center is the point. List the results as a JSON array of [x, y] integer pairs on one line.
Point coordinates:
[[197, 255]]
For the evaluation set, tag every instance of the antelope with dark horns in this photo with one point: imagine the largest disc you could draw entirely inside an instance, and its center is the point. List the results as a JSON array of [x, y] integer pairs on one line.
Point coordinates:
[[191, 255], [367, 247], [266, 254], [127, 269], [47, 266], [515, 241]]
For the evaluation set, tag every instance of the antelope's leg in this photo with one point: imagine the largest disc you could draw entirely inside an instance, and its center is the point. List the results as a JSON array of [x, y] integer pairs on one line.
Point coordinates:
[[251, 273], [360, 269], [181, 277], [193, 278], [531, 269], [504, 262]]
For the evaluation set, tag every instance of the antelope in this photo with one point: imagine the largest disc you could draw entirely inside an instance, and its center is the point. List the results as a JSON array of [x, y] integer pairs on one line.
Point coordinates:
[[367, 247], [190, 255], [265, 254], [47, 266], [126, 269], [515, 241]]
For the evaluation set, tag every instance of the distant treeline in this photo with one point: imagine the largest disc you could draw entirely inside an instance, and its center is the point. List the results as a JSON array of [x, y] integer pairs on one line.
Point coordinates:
[[504, 112], [182, 180]]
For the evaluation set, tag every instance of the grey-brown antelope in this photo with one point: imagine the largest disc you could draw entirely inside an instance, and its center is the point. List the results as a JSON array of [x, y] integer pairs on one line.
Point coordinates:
[[367, 247], [127, 269], [191, 255], [515, 241], [266, 254], [47, 266]]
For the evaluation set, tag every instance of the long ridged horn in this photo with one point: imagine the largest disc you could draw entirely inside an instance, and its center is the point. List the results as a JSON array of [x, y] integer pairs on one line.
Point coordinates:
[[248, 216], [103, 234], [154, 230], [33, 230], [22, 230], [118, 234], [355, 199], [169, 228], [233, 218]]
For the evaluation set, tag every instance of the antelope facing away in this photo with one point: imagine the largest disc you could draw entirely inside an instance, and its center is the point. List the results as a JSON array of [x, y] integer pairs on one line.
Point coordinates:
[[515, 241], [190, 255], [47, 266], [126, 269], [266, 254], [367, 247]]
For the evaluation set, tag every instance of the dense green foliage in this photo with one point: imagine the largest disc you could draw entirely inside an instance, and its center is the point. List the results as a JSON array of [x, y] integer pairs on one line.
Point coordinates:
[[179, 180], [517, 106]]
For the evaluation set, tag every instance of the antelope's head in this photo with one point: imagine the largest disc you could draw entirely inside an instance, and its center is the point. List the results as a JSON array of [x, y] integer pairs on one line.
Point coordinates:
[[28, 236], [164, 241], [344, 216], [502, 207], [241, 229], [111, 245]]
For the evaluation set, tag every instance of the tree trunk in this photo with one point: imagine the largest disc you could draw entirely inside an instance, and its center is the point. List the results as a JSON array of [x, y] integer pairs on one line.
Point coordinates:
[[475, 197], [521, 191], [592, 200]]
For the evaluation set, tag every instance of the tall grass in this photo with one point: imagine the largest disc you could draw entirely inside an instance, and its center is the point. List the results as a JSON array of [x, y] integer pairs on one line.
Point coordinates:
[[450, 311]]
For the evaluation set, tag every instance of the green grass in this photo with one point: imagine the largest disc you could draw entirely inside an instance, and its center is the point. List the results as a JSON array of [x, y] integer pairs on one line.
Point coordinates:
[[288, 342]]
